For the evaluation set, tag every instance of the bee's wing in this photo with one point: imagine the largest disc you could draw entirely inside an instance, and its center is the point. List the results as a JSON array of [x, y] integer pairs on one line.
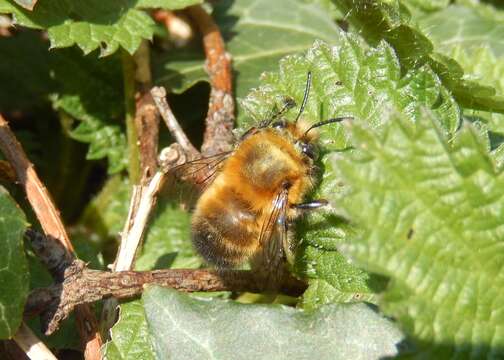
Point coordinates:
[[273, 241], [201, 172]]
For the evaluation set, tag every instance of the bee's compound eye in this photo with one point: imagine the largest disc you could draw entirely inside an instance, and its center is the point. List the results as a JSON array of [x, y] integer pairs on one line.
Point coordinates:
[[309, 150], [279, 125]]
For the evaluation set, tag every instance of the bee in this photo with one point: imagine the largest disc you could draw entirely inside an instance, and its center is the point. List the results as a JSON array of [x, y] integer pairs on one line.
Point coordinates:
[[252, 193]]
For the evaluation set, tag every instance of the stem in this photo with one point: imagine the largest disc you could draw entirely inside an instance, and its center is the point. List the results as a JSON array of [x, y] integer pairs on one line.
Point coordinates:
[[159, 96], [31, 345], [146, 117], [83, 285], [220, 118], [53, 227], [128, 65]]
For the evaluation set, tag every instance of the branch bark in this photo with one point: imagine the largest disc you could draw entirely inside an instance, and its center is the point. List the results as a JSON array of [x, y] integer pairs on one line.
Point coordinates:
[[146, 115], [83, 285], [53, 227], [220, 118]]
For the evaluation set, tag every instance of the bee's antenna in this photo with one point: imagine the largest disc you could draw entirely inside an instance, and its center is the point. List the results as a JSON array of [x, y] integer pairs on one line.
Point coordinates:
[[325, 122], [288, 104], [305, 97]]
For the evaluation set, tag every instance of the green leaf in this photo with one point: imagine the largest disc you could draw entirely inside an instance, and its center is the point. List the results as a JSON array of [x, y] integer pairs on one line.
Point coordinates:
[[428, 5], [14, 276], [348, 80], [469, 32], [332, 278], [481, 64], [390, 21], [431, 212], [90, 25], [168, 241], [88, 89], [258, 33], [130, 337], [185, 328], [469, 27]]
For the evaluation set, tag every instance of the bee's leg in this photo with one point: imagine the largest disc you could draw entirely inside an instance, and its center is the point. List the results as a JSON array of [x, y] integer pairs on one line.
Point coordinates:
[[311, 205]]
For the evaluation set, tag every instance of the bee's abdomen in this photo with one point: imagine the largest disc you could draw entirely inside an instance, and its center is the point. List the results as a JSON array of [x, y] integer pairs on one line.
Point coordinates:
[[224, 230]]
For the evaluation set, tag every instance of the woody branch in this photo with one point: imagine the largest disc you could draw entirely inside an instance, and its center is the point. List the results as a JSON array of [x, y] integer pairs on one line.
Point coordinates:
[[82, 285], [53, 227]]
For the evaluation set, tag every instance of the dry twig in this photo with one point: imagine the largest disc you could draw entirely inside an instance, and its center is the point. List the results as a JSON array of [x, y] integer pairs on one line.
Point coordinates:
[[31, 344], [146, 115], [49, 219], [143, 200], [218, 135], [159, 95]]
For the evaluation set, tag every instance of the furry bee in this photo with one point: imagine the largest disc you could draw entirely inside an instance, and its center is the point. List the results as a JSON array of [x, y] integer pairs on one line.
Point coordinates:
[[254, 192]]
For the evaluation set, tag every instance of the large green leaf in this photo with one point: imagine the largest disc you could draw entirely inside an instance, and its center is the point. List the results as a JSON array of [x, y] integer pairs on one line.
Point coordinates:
[[258, 33], [431, 216], [378, 20], [483, 65], [91, 25], [348, 80], [14, 277], [94, 24], [428, 5], [181, 327], [470, 26]]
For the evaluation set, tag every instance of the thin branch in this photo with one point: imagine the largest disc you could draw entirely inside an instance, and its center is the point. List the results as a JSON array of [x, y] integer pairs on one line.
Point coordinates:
[[135, 228], [159, 95], [218, 135], [146, 122], [86, 286], [146, 115], [51, 223], [31, 344], [36, 192]]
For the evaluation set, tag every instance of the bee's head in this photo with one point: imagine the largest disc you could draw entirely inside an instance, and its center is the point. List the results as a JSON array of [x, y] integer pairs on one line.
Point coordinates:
[[302, 133]]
